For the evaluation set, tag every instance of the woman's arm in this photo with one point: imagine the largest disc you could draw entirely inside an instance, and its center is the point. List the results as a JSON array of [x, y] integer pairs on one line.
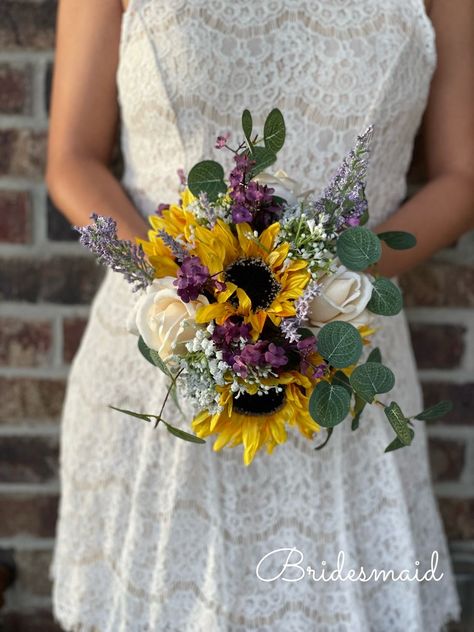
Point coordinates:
[[444, 208], [84, 116]]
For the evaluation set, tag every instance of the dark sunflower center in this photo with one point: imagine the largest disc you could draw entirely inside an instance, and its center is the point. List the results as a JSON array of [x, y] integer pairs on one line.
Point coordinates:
[[265, 404], [256, 279]]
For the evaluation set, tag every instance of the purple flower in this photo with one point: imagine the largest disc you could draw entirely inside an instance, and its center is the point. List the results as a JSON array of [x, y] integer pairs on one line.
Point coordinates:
[[222, 140], [181, 176], [192, 277], [241, 214], [254, 354], [161, 208], [239, 367], [306, 345], [230, 332], [119, 255], [179, 252], [275, 356]]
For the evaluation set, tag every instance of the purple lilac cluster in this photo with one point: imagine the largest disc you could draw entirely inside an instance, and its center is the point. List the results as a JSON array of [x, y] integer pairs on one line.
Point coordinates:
[[233, 339], [119, 255], [252, 202], [344, 199], [194, 279]]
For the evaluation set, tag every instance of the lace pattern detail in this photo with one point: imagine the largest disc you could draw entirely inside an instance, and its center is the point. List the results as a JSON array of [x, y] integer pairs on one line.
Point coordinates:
[[158, 534]]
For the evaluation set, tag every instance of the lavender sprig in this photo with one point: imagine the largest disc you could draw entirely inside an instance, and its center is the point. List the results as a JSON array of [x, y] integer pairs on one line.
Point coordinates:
[[179, 252], [119, 255]]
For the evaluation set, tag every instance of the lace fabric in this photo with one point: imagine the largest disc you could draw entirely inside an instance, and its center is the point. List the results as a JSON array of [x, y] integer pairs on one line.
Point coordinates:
[[158, 534]]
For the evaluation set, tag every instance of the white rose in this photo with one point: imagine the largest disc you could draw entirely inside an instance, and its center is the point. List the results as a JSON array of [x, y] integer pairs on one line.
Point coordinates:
[[285, 187], [344, 296], [163, 320]]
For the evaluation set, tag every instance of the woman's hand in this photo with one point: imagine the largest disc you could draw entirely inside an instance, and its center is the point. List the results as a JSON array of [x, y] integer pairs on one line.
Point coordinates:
[[84, 116], [444, 208]]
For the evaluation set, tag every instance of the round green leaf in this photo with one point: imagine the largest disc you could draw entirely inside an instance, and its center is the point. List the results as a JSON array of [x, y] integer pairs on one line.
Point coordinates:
[[340, 344], [263, 156], [398, 239], [274, 131], [358, 248], [329, 404], [371, 378], [386, 298], [375, 355], [207, 176]]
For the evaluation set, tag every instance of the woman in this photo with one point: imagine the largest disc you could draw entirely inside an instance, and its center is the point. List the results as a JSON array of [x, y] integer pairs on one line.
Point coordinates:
[[158, 534]]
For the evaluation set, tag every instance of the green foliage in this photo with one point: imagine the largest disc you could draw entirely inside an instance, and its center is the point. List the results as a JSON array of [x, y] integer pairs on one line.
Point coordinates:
[[386, 298], [153, 357], [435, 412], [358, 248], [396, 444], [329, 404], [374, 355], [142, 416], [328, 436], [371, 378], [207, 176], [274, 131], [181, 434], [247, 125], [340, 343], [398, 239], [263, 156], [399, 423]]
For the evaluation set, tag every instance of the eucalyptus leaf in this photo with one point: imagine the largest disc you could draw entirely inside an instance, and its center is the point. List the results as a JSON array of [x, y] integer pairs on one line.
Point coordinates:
[[329, 404], [399, 423], [247, 126], [274, 131], [134, 414], [326, 440], [434, 412], [340, 343], [186, 436], [341, 379], [386, 298], [371, 378], [263, 157], [207, 176], [396, 444], [375, 355], [358, 248], [359, 406], [153, 357], [398, 239]]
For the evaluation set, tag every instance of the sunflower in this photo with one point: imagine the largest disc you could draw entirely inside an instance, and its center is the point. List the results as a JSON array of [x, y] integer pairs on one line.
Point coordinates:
[[257, 420], [261, 281]]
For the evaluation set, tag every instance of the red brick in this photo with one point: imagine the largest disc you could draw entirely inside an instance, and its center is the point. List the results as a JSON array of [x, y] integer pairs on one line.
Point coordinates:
[[27, 25], [437, 346], [439, 284], [73, 329], [462, 396], [26, 399], [25, 514], [29, 620], [458, 517], [23, 153], [33, 573], [15, 95], [15, 217], [28, 459], [67, 280], [25, 343], [447, 458]]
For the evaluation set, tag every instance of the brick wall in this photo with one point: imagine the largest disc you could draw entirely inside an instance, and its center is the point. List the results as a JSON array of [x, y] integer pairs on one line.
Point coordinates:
[[47, 282]]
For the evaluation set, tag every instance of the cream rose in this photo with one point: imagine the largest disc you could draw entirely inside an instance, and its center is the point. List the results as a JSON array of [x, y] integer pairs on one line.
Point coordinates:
[[344, 296], [285, 187], [163, 320]]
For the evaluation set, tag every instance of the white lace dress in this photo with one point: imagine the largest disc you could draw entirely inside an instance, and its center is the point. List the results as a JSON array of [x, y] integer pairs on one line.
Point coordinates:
[[161, 535]]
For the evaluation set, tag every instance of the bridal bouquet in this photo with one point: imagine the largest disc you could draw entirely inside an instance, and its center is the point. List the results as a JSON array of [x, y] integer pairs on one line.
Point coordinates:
[[256, 299]]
